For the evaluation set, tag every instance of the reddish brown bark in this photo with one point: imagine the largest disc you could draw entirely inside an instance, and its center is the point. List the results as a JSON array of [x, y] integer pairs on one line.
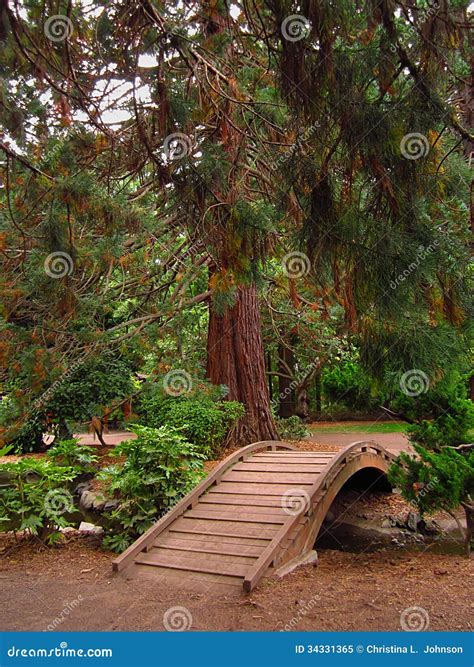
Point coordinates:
[[235, 358]]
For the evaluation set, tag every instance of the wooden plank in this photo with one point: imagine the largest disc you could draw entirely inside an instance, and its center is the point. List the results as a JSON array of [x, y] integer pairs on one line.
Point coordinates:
[[300, 454], [251, 488], [185, 556], [270, 477], [251, 530], [293, 462], [230, 569], [317, 460], [243, 517], [231, 540], [242, 499], [278, 467], [238, 510], [203, 546]]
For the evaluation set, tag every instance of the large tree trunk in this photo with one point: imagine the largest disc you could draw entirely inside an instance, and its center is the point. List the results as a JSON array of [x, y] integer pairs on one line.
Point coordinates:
[[235, 357]]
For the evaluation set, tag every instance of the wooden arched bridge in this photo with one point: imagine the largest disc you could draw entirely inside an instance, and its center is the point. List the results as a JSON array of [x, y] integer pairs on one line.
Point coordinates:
[[260, 508]]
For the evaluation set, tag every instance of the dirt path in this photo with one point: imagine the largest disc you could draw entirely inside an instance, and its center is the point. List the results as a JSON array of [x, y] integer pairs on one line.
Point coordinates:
[[74, 585], [322, 434], [394, 442]]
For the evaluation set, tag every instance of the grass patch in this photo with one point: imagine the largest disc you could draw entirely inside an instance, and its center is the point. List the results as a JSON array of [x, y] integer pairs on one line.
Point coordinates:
[[363, 427]]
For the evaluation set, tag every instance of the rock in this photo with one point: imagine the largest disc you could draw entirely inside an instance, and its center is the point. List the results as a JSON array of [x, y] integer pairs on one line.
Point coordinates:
[[85, 527], [98, 503], [440, 572], [87, 500], [386, 523], [111, 505], [413, 521]]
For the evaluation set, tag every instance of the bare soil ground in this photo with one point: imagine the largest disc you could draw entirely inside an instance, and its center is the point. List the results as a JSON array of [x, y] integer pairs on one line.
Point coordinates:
[[71, 587], [74, 584]]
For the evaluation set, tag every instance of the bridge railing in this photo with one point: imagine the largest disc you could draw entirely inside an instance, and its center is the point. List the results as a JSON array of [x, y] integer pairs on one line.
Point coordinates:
[[324, 479]]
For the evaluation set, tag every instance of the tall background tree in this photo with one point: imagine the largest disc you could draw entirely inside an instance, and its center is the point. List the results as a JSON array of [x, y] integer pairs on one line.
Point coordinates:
[[158, 157]]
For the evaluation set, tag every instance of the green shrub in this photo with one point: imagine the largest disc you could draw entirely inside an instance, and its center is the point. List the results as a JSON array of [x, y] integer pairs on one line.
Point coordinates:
[[435, 481], [161, 467], [443, 415], [73, 397], [23, 435], [71, 453], [35, 497], [348, 385], [202, 420], [291, 428]]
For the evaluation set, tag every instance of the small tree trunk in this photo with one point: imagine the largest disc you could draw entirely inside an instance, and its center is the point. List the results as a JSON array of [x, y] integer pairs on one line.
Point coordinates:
[[317, 391], [286, 365], [235, 358], [469, 511]]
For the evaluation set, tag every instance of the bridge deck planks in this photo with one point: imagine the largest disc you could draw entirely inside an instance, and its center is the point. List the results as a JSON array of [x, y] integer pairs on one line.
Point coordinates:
[[224, 534]]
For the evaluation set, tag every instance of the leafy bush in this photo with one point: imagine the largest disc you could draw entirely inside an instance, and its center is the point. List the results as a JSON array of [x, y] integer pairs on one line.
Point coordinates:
[[73, 397], [98, 382], [71, 453], [161, 467], [291, 428], [443, 415], [22, 435], [35, 496], [204, 421], [349, 385], [435, 481]]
